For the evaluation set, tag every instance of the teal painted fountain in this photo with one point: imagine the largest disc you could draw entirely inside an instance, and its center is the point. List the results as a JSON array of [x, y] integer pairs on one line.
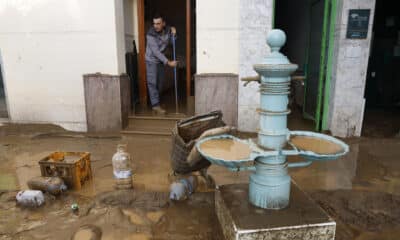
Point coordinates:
[[269, 184]]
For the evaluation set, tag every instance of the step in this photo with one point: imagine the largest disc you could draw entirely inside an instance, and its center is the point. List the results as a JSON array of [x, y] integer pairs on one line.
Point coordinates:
[[150, 128], [151, 125], [153, 121], [141, 132]]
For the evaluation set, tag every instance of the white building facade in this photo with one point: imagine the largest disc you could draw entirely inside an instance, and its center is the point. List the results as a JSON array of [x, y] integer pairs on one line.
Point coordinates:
[[47, 45]]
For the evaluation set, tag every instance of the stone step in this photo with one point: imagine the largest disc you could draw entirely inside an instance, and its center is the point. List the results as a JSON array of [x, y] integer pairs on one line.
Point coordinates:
[[151, 125], [141, 132]]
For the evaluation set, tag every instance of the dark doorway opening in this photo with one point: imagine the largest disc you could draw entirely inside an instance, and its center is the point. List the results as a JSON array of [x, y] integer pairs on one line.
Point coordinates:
[[3, 104], [382, 91], [176, 14], [297, 29], [309, 26]]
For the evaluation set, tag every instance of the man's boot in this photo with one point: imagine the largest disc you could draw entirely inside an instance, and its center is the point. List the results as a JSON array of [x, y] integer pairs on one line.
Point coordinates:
[[159, 110]]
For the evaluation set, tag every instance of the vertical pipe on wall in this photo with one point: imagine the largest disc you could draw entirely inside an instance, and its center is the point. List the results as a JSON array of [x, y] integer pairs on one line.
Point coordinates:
[[188, 45], [331, 42]]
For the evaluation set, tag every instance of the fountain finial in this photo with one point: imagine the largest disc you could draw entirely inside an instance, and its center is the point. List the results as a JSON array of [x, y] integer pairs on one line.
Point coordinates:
[[276, 39]]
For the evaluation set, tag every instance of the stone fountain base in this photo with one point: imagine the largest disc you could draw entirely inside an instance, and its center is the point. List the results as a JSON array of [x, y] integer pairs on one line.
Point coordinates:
[[302, 219]]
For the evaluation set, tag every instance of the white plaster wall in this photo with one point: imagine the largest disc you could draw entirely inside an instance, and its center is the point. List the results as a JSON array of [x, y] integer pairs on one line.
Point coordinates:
[[231, 37], [46, 47], [130, 24], [349, 73], [217, 36], [120, 34], [255, 23]]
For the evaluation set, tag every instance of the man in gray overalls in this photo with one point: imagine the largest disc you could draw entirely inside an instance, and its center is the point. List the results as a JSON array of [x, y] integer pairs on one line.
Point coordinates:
[[158, 38]]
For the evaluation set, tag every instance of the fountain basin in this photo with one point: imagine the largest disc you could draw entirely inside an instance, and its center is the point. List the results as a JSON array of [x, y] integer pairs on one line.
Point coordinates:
[[311, 152], [307, 150], [217, 159]]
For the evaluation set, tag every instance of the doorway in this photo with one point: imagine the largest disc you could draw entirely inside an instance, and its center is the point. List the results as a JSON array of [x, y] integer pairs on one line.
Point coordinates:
[[309, 26], [382, 90], [181, 15], [3, 104]]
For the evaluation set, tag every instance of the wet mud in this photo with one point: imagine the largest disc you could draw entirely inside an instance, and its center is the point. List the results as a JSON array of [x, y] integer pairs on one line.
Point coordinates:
[[227, 149], [360, 191], [316, 145], [383, 122], [360, 211]]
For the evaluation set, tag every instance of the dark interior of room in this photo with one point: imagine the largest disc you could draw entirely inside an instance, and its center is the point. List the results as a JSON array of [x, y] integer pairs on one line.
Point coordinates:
[[3, 105], [382, 91], [174, 12], [297, 29]]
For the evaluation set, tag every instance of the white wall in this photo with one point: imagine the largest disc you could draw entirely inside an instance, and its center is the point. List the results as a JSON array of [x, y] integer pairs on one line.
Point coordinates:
[[255, 23], [231, 37], [120, 34], [130, 24], [46, 47], [349, 73], [217, 36]]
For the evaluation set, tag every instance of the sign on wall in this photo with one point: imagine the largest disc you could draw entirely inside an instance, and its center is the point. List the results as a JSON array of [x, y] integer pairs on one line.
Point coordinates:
[[357, 25]]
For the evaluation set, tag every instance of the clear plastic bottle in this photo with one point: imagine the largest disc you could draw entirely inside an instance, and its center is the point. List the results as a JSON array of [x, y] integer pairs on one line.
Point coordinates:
[[121, 161]]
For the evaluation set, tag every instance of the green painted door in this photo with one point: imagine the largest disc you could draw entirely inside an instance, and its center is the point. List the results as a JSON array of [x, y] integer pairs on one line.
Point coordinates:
[[319, 61]]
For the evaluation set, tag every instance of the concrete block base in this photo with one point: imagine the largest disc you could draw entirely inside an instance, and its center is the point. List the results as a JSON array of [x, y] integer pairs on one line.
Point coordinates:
[[302, 219], [217, 91]]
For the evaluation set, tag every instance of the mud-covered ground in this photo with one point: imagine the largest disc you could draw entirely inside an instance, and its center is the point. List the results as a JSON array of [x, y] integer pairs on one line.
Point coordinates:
[[360, 191]]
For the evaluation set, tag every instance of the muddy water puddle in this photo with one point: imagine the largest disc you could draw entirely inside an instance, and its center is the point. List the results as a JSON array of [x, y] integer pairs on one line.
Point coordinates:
[[316, 145], [226, 149]]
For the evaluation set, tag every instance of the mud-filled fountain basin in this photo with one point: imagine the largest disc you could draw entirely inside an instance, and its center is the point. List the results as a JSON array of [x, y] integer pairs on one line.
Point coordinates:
[[228, 149], [238, 154]]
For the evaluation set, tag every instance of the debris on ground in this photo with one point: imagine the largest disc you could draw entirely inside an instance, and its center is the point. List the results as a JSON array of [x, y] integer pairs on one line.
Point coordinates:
[[73, 167], [52, 185], [183, 188], [30, 198]]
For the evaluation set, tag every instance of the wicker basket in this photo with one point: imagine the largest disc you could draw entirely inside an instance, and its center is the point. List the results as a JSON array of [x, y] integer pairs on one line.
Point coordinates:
[[191, 128]]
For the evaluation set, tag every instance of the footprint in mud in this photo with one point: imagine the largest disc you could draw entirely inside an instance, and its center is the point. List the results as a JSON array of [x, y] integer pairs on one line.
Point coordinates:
[[87, 232]]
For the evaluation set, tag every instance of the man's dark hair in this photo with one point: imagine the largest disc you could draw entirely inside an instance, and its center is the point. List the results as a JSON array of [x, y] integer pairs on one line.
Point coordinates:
[[158, 15]]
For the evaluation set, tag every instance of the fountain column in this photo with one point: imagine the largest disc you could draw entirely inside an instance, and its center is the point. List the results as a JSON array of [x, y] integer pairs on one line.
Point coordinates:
[[270, 184]]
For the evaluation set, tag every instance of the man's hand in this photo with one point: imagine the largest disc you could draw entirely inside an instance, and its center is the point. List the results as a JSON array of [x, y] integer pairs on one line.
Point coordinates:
[[173, 31], [172, 63]]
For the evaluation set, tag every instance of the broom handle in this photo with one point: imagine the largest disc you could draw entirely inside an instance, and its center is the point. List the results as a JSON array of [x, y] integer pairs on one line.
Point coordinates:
[[175, 80]]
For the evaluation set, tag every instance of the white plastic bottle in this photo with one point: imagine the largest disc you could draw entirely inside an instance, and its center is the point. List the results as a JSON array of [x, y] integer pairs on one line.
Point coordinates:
[[183, 188], [30, 198], [121, 161]]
